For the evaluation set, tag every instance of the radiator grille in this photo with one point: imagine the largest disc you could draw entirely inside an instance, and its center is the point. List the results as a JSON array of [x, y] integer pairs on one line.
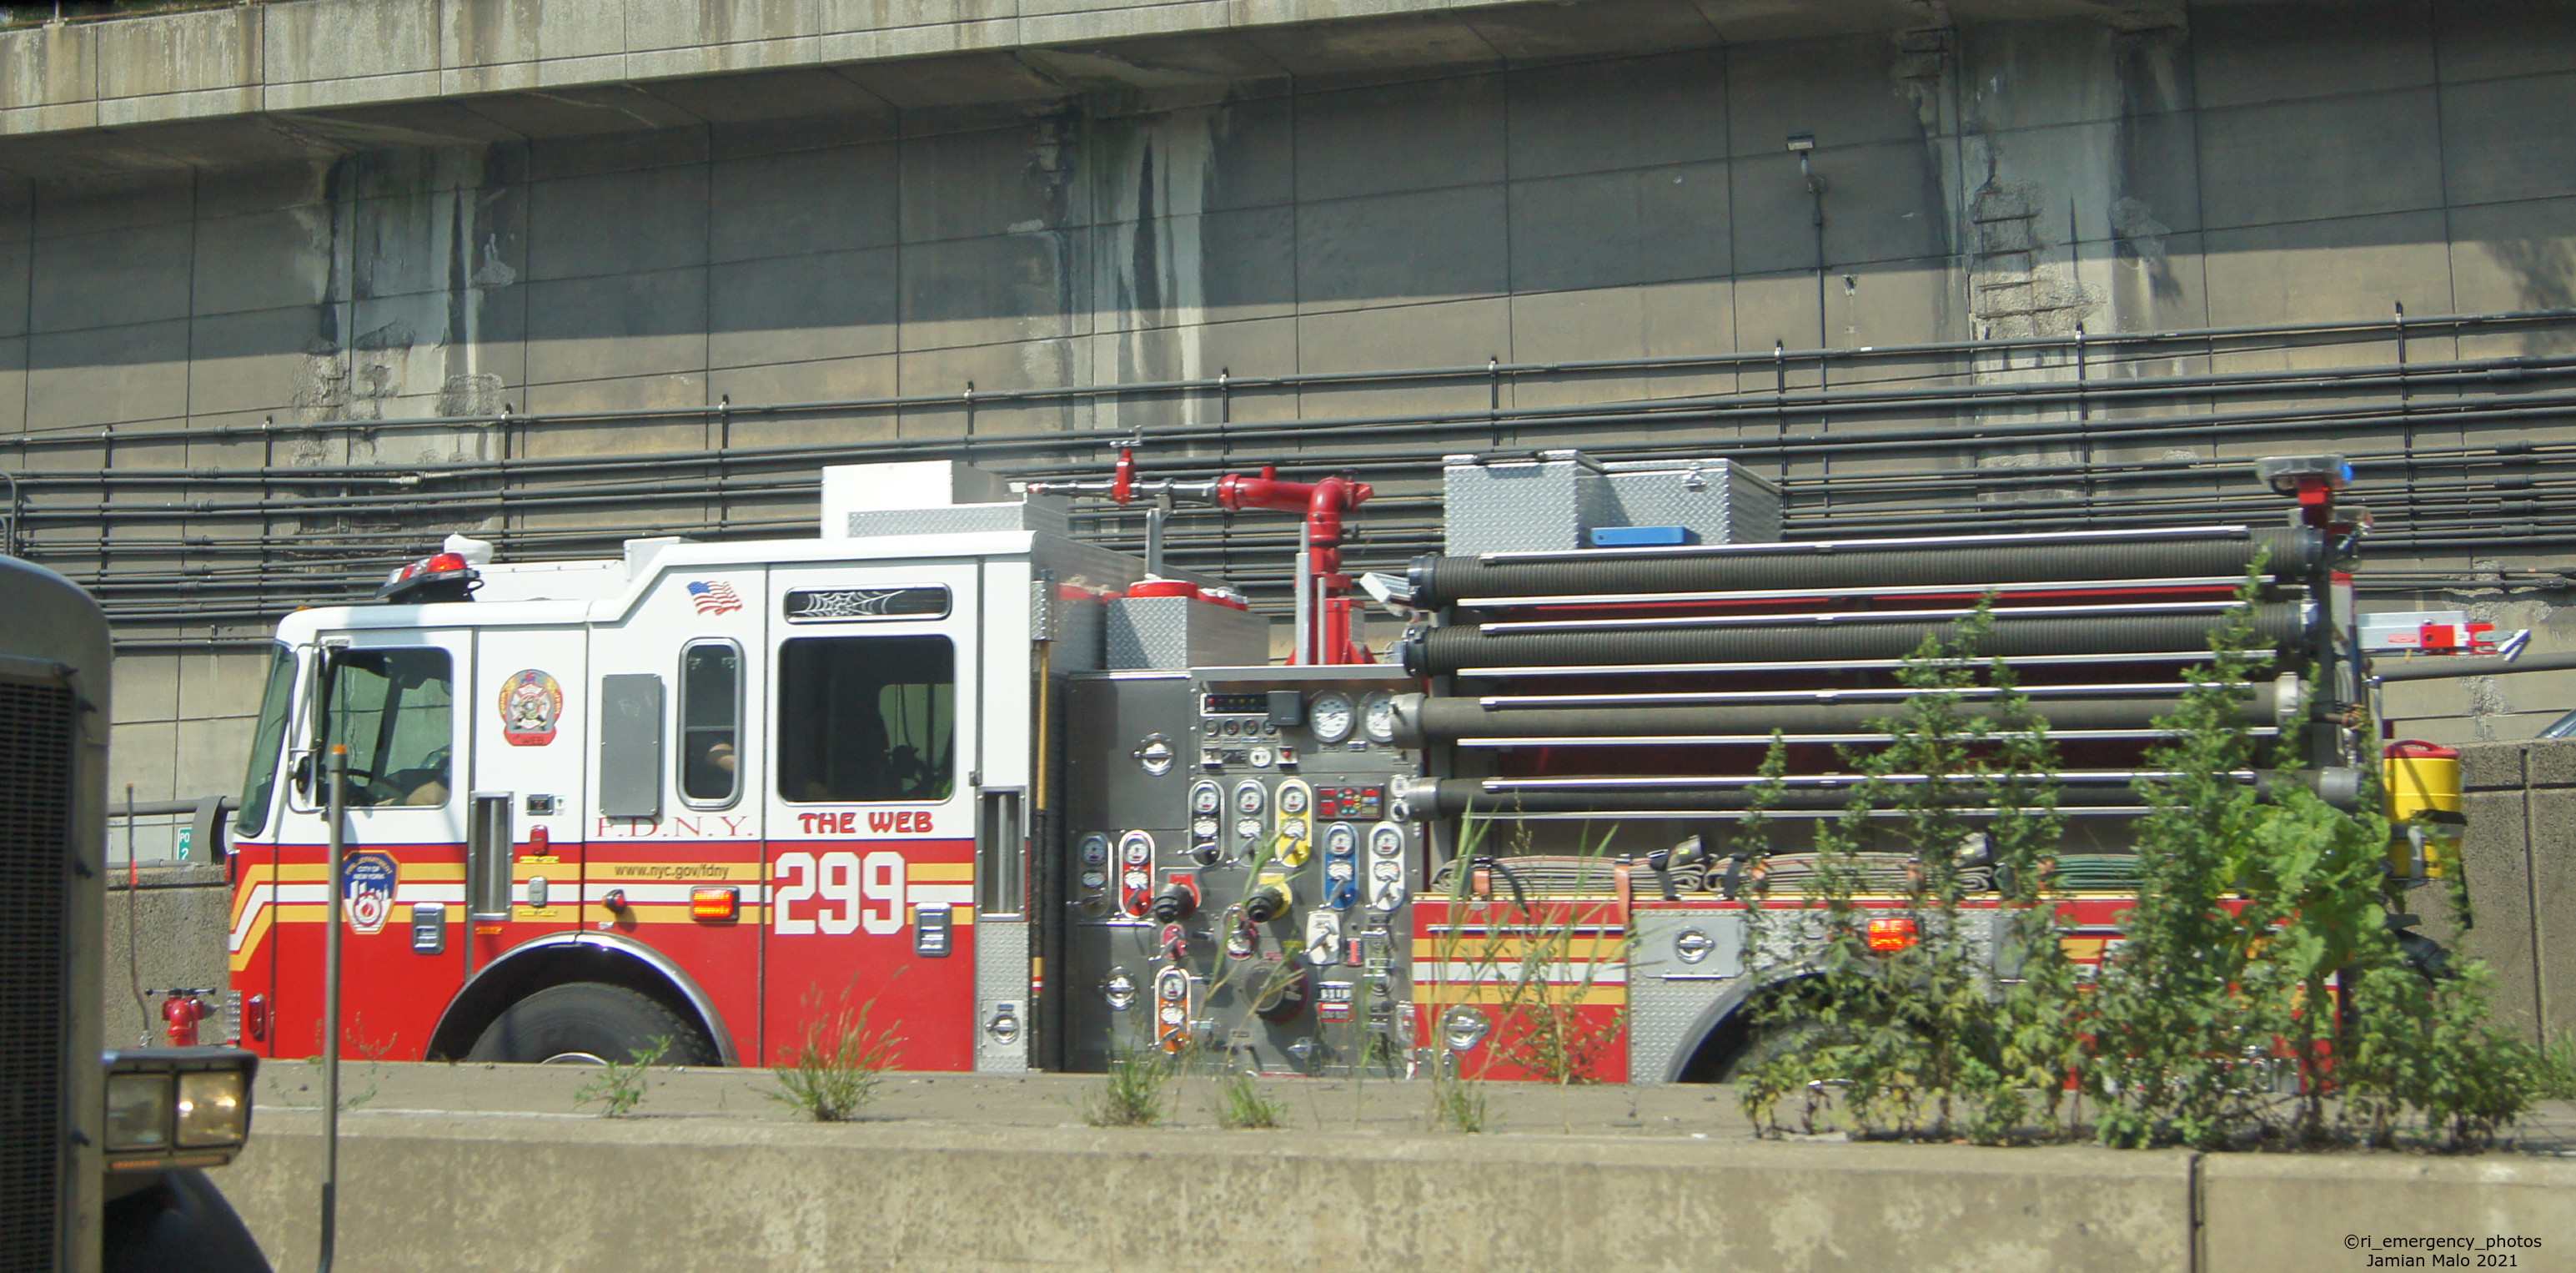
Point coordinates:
[[36, 747]]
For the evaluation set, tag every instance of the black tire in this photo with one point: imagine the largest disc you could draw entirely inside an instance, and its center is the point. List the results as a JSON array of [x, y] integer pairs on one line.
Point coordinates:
[[179, 1222], [587, 1022], [1769, 1042]]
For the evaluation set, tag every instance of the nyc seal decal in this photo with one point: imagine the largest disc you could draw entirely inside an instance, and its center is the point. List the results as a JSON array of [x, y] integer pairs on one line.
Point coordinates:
[[531, 703], [368, 891]]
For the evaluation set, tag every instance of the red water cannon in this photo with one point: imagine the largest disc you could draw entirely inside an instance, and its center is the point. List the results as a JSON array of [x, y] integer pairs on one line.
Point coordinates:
[[1324, 603]]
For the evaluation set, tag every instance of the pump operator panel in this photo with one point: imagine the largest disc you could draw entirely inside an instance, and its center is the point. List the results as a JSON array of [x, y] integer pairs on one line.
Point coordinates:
[[1238, 880]]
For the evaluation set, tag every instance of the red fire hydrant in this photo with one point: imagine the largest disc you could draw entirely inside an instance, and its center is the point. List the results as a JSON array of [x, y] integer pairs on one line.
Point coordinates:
[[180, 1013]]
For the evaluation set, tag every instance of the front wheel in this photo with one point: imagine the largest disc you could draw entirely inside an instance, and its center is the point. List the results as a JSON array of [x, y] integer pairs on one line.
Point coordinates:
[[587, 1023]]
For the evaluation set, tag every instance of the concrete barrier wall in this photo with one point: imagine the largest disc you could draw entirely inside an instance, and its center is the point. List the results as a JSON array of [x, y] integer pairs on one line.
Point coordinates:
[[176, 914], [2520, 855], [445, 1191]]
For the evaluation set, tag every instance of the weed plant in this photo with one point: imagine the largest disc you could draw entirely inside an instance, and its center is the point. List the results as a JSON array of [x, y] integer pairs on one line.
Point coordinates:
[[838, 1067], [1135, 1093], [1242, 1104], [620, 1087], [1459, 1104], [1922, 1039]]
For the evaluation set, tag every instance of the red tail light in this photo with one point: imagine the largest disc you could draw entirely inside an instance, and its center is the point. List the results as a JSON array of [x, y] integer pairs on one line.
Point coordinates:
[[1887, 936]]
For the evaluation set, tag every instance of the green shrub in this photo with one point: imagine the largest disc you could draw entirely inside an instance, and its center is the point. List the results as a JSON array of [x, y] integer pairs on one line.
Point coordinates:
[[1242, 1105], [1135, 1092], [1924, 1040], [620, 1088], [836, 1069]]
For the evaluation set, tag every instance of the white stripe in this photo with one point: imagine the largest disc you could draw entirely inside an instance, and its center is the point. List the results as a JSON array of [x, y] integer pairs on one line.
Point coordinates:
[[259, 894], [953, 894]]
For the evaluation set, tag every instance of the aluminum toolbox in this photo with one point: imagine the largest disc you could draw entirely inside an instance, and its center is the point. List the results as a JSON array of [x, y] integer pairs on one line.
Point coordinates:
[[1554, 502], [1547, 504], [1719, 499], [1182, 632]]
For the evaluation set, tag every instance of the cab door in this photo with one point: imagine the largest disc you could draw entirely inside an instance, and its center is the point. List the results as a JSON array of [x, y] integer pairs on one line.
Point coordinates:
[[391, 698], [872, 673], [523, 809], [675, 859]]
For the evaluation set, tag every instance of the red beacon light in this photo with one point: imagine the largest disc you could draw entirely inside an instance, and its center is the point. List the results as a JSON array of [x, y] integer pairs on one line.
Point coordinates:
[[447, 575]]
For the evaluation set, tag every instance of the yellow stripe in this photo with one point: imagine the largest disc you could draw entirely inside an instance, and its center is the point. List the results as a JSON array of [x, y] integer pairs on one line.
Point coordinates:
[[1557, 996], [240, 959], [941, 872], [1580, 949]]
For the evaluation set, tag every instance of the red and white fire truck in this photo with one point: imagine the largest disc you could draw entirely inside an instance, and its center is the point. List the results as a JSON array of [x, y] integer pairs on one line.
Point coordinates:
[[1036, 802]]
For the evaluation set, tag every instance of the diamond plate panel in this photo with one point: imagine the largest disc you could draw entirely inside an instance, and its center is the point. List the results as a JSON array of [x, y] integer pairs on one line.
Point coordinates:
[[1721, 500], [1667, 994], [1001, 977], [1543, 505], [1173, 633]]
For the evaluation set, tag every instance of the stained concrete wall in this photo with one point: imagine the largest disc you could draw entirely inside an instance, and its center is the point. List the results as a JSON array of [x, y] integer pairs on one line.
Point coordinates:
[[380, 219], [165, 929], [2520, 853]]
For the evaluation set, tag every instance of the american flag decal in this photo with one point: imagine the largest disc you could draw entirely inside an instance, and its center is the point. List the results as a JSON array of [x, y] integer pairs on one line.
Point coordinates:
[[714, 598]]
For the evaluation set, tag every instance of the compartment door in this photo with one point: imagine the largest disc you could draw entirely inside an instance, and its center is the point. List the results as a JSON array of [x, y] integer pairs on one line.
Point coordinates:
[[872, 682]]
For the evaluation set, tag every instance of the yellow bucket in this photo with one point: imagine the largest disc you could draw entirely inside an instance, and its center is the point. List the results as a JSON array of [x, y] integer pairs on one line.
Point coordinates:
[[2422, 778], [2423, 781]]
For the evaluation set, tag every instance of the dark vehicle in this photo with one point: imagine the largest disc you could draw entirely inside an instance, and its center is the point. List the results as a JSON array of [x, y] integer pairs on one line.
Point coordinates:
[[102, 1157]]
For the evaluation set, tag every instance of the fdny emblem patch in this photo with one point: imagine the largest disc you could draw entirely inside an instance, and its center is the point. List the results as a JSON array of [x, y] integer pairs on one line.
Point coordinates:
[[531, 703]]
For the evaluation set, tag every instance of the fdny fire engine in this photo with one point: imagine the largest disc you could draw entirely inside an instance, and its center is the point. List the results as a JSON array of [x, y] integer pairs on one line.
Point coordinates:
[[1038, 803]]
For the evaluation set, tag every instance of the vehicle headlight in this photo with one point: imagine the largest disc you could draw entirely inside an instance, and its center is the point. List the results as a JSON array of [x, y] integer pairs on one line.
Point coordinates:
[[169, 1108], [138, 1112], [212, 1109]]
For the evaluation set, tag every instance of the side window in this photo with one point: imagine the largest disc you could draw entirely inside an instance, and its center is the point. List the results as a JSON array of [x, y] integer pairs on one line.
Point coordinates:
[[394, 709], [867, 718], [259, 786], [710, 722]]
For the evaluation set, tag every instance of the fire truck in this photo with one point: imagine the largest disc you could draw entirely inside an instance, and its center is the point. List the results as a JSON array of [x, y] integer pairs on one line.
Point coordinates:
[[1037, 804]]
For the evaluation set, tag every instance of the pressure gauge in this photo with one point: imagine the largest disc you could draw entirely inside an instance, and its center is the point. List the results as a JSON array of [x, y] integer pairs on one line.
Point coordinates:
[[1250, 799], [1204, 798], [1330, 715], [1377, 716]]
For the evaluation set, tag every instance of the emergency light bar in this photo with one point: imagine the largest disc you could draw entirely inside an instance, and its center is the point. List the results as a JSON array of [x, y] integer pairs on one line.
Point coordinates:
[[445, 576]]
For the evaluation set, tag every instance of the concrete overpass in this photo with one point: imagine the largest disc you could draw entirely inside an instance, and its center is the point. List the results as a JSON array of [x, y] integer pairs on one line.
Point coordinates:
[[288, 290]]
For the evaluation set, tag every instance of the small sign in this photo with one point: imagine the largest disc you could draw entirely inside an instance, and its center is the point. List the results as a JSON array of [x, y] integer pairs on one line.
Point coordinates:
[[187, 841], [531, 703], [367, 890], [1333, 1001], [866, 605], [930, 930]]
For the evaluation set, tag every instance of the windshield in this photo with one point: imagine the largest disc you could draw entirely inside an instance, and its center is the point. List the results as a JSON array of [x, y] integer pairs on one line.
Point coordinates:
[[260, 784]]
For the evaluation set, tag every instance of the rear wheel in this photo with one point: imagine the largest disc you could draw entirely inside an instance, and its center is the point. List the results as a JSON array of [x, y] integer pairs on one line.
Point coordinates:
[[587, 1023], [1774, 1040]]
